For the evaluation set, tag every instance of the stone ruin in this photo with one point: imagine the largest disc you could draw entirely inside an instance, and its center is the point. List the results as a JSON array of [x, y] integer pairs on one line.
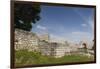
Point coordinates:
[[25, 40]]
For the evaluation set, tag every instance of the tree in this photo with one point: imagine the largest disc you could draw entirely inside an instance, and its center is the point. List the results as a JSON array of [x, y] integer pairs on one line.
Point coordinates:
[[85, 47], [93, 48], [25, 15]]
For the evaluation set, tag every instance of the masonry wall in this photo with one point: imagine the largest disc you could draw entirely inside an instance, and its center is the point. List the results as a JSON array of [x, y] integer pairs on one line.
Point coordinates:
[[31, 42], [26, 40]]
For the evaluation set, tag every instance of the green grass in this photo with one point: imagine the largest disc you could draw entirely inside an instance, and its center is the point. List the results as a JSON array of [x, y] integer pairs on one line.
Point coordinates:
[[24, 57]]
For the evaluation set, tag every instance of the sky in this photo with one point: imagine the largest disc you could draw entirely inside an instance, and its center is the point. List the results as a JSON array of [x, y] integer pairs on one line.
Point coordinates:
[[66, 23]]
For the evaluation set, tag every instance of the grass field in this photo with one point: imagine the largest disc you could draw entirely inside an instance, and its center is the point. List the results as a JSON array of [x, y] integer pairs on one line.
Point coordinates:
[[24, 57]]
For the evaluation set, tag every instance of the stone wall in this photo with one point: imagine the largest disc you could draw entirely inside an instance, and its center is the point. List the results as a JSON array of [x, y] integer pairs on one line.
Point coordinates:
[[31, 42], [26, 40]]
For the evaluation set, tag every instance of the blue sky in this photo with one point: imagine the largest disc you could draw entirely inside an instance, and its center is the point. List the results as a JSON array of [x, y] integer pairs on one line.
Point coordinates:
[[66, 23]]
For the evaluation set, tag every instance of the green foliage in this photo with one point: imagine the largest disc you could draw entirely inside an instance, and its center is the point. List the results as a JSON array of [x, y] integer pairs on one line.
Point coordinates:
[[24, 57], [25, 14]]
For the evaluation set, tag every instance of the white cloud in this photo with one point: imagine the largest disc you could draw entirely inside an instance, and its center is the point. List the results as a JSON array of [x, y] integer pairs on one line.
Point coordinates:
[[84, 25], [81, 34], [91, 23], [55, 38], [78, 33], [41, 27]]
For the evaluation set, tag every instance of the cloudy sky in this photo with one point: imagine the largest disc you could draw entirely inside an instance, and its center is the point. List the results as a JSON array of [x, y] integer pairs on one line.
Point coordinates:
[[66, 23]]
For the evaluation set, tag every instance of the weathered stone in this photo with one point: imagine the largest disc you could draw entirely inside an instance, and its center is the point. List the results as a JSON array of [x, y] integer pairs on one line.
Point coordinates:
[[25, 40], [31, 42]]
